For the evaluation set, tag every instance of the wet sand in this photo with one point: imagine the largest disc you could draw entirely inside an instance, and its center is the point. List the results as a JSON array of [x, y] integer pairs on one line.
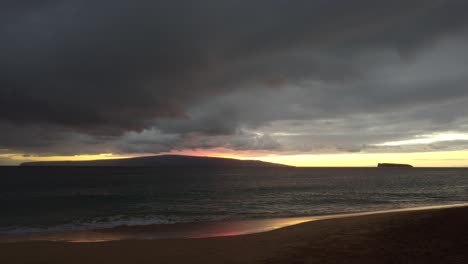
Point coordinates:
[[426, 236]]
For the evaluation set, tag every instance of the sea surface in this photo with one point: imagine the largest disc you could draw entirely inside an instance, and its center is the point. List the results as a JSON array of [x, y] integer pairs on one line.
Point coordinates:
[[53, 199]]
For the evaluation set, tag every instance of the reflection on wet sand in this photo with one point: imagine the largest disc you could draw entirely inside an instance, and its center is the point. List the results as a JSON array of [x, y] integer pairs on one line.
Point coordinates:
[[191, 230]]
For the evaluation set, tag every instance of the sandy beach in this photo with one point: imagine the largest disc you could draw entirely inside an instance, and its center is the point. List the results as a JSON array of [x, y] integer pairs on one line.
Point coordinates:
[[425, 236]]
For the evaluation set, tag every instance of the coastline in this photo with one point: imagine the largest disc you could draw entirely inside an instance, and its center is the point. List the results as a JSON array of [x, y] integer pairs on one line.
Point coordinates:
[[427, 235], [195, 230]]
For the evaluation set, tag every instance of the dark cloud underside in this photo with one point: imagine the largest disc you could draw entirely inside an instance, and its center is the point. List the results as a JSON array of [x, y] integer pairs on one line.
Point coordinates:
[[153, 76]]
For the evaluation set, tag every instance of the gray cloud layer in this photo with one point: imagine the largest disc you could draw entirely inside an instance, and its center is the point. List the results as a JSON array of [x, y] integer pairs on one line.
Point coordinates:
[[151, 76]]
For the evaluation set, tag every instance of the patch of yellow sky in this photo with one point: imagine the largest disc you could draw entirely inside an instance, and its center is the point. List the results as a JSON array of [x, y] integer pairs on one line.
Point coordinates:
[[361, 159]]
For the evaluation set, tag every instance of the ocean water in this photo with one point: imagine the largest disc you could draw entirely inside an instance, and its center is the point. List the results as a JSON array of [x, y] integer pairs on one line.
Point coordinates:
[[49, 199]]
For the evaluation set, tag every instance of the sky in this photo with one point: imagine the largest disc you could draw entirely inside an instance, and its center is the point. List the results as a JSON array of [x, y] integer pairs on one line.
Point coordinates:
[[304, 82]]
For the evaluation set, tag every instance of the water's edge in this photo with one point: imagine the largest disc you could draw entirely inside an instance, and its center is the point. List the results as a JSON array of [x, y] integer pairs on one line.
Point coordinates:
[[194, 230]]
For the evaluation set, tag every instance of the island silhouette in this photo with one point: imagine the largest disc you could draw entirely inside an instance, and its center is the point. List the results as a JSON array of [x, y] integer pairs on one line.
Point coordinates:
[[394, 165], [161, 161]]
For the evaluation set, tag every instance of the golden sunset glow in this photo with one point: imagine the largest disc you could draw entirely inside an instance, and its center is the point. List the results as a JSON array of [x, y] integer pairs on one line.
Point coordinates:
[[421, 159]]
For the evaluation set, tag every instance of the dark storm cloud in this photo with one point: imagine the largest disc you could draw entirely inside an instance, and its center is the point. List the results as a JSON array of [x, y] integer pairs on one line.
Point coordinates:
[[152, 76]]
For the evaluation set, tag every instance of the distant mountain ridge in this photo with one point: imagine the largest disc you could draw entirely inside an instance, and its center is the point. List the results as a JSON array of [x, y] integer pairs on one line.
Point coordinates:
[[161, 161]]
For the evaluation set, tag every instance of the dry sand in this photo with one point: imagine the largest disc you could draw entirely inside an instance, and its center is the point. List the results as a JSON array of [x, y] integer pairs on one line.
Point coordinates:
[[429, 236]]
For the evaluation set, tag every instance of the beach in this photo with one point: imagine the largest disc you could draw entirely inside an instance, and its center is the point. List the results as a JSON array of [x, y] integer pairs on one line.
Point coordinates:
[[421, 236]]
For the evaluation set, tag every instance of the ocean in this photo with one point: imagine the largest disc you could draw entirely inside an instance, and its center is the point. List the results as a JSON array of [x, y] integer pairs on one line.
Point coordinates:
[[53, 199]]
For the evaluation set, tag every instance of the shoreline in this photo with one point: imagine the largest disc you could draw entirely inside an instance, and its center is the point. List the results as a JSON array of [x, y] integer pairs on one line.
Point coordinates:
[[195, 230], [409, 236]]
